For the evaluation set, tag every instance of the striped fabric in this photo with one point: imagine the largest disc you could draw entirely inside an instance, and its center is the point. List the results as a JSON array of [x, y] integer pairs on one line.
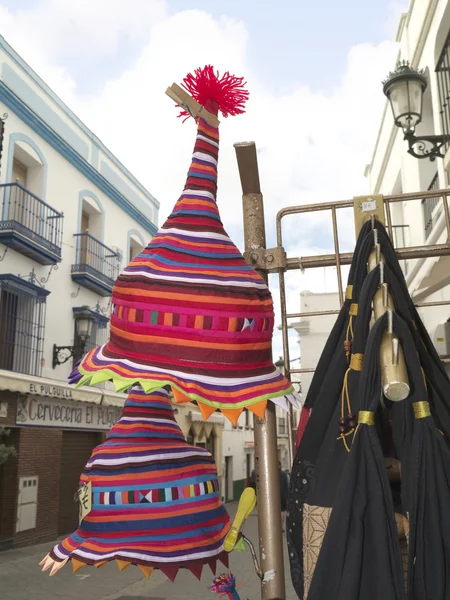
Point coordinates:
[[190, 312], [155, 498]]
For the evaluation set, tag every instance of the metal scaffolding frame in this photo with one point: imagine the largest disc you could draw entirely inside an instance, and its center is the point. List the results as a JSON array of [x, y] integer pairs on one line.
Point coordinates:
[[275, 260]]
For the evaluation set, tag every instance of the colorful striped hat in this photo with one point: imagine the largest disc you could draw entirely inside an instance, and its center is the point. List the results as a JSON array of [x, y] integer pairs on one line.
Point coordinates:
[[155, 499], [189, 311]]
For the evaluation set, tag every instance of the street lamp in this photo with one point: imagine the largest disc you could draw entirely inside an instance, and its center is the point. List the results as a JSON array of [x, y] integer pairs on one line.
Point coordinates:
[[280, 364], [404, 89], [83, 328]]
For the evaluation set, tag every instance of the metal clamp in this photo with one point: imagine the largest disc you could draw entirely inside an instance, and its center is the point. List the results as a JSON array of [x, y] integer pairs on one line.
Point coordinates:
[[271, 260]]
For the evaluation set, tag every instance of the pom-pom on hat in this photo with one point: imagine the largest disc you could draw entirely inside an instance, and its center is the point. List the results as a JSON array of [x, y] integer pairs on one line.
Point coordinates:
[[155, 499], [189, 311]]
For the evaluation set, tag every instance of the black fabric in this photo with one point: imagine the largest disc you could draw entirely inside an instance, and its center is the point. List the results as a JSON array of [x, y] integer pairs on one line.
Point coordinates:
[[360, 556], [426, 474], [323, 398], [333, 454], [321, 458]]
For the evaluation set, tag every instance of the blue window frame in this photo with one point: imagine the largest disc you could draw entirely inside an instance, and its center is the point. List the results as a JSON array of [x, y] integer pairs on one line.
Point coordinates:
[[22, 325]]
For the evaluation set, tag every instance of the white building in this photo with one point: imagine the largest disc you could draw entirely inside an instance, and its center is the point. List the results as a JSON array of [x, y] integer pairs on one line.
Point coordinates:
[[314, 331], [72, 216], [424, 40], [238, 455]]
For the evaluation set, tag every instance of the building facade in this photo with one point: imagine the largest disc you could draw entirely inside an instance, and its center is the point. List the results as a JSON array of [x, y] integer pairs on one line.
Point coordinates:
[[424, 40], [313, 332], [72, 217]]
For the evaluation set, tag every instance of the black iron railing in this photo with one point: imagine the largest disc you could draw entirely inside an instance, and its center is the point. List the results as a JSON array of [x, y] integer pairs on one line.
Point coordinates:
[[432, 208], [22, 325], [96, 259], [24, 212]]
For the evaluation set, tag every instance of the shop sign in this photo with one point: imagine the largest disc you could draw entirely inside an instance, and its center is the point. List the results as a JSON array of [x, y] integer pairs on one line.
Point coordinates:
[[54, 391], [38, 411]]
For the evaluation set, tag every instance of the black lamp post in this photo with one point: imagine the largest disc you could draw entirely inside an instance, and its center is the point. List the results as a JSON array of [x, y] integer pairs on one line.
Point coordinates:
[[280, 364], [404, 89], [83, 324]]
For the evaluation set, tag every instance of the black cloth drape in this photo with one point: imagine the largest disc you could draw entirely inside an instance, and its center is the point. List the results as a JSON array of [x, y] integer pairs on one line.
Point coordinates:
[[360, 556]]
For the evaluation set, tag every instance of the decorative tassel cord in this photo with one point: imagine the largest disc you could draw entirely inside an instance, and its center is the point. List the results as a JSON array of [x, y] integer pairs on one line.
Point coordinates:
[[356, 364]]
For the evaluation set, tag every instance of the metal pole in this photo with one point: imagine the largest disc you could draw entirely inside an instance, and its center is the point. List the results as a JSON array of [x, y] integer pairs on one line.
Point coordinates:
[[266, 455]]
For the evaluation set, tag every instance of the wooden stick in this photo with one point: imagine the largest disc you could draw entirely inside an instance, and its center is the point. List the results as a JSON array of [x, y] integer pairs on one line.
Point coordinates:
[[196, 110]]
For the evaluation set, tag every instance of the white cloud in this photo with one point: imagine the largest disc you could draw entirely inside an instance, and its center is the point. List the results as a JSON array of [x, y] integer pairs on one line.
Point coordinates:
[[313, 147]]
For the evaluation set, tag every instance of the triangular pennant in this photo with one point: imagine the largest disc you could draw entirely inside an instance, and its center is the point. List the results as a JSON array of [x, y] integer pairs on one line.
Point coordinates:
[[47, 562], [121, 385], [196, 568], [212, 563], [99, 565], [206, 410], [170, 571], [147, 386], [84, 380], [146, 570], [57, 566], [232, 415], [281, 402], [77, 565], [99, 377], [240, 545], [259, 409], [179, 397], [122, 564], [224, 559]]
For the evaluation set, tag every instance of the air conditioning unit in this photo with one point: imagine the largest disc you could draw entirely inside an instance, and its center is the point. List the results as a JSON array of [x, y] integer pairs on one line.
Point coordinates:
[[441, 339]]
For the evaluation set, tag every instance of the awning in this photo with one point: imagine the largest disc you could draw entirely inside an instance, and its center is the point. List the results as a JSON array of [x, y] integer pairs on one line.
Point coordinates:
[[196, 417], [436, 277], [52, 388]]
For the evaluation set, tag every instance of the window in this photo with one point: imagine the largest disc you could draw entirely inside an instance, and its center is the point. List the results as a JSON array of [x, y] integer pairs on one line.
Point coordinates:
[[282, 425], [22, 325], [28, 168], [135, 246]]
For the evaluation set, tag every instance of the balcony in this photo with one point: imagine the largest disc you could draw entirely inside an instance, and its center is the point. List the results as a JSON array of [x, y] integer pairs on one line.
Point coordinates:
[[96, 267], [29, 225]]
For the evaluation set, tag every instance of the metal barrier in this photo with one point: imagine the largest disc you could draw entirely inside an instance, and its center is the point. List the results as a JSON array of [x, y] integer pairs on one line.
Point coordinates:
[[275, 260]]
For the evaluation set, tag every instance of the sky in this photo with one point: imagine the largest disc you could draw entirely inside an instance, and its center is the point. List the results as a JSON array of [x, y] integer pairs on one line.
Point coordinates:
[[313, 69]]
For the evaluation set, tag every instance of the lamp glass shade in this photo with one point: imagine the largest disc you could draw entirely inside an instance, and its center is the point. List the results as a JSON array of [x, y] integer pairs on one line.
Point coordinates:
[[84, 321], [404, 88]]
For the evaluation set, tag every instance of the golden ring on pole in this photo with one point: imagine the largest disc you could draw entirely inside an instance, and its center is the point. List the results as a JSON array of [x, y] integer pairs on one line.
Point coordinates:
[[356, 362], [366, 417], [421, 409]]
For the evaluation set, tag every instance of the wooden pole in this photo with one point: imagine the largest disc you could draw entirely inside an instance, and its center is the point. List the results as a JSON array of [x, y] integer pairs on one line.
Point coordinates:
[[266, 455]]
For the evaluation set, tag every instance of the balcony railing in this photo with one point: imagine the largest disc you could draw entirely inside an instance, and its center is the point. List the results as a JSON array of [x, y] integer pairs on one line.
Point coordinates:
[[432, 208], [29, 225], [97, 266]]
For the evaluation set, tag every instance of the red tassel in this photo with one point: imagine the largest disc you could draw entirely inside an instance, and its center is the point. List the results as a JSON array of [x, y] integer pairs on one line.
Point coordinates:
[[304, 418], [226, 94]]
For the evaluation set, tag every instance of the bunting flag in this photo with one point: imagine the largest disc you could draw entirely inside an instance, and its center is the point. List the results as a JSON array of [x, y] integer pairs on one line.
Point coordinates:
[[189, 311], [154, 499]]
